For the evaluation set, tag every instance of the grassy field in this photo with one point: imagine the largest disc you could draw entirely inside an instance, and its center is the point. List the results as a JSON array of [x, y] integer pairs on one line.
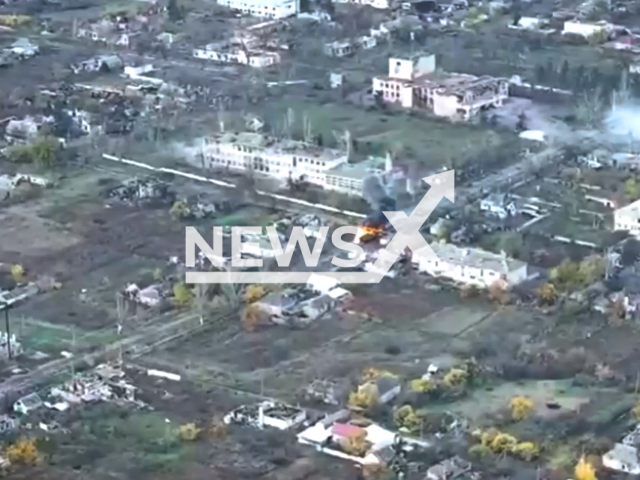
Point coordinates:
[[432, 142]]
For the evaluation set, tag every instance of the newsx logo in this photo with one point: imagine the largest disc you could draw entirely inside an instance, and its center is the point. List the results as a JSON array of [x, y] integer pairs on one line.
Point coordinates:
[[407, 236], [282, 256]]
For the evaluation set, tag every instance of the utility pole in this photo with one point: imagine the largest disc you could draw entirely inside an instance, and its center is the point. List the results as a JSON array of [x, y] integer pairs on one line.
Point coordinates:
[[6, 321], [73, 351]]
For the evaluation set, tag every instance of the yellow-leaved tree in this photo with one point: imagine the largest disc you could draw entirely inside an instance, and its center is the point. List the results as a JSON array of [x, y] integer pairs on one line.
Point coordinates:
[[253, 293], [189, 432], [521, 408], [406, 418], [526, 451], [365, 398], [23, 452], [584, 470], [182, 294], [456, 378]]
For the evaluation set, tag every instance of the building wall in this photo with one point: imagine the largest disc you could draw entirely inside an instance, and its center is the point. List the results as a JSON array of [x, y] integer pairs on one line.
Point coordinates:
[[390, 90], [624, 222], [482, 278], [346, 185], [445, 105], [265, 8]]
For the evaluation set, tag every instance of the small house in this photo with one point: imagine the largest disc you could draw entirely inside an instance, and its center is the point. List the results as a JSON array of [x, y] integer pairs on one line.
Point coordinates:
[[24, 48], [27, 404], [314, 308]]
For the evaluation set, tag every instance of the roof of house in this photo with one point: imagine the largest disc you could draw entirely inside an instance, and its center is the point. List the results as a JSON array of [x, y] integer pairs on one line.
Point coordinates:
[[623, 454], [450, 468], [345, 430], [279, 300], [31, 400], [379, 436], [320, 303], [472, 257], [321, 282]]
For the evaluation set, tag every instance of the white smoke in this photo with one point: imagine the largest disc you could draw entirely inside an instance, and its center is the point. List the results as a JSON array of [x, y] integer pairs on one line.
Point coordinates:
[[624, 120]]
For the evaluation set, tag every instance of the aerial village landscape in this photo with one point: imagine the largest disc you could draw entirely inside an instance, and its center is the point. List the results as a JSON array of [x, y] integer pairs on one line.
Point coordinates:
[[510, 354]]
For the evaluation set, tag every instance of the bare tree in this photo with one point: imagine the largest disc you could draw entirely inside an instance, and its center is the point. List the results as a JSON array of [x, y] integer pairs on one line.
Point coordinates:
[[591, 108]]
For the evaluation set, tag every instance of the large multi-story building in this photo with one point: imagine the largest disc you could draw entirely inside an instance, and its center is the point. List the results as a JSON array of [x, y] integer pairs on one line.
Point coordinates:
[[284, 159], [248, 151], [381, 4], [264, 8], [416, 83]]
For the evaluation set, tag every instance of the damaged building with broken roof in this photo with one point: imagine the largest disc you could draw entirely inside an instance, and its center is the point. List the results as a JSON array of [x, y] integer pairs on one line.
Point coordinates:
[[415, 82], [267, 414]]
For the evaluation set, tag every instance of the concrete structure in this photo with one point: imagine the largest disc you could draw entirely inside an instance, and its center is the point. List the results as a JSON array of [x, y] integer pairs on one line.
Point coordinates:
[[253, 58], [622, 458], [628, 218], [585, 30], [471, 266], [416, 83], [498, 204], [264, 8], [267, 414]]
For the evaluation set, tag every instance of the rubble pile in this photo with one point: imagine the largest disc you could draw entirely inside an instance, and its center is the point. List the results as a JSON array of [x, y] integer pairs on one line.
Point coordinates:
[[137, 190], [105, 383], [150, 296]]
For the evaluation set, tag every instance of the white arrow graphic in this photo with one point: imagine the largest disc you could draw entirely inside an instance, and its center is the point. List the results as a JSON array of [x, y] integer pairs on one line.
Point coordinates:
[[408, 227]]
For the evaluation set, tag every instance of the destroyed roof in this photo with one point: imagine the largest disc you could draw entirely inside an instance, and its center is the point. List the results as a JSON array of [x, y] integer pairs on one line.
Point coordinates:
[[472, 257], [358, 171], [30, 401], [264, 142], [450, 468], [457, 83]]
